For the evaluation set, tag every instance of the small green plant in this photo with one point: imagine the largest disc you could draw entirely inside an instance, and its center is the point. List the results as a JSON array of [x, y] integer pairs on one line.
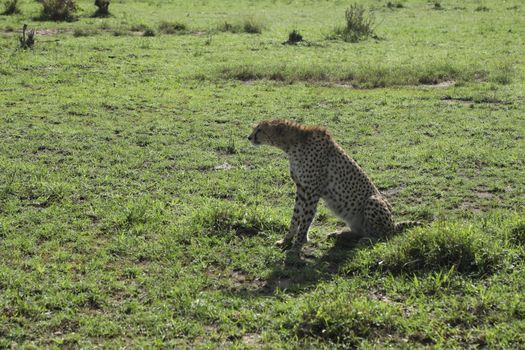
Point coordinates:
[[27, 41], [102, 8], [58, 10], [359, 24], [172, 27], [11, 7]]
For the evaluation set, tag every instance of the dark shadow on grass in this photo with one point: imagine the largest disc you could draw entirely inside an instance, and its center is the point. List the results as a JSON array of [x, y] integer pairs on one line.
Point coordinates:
[[298, 274]]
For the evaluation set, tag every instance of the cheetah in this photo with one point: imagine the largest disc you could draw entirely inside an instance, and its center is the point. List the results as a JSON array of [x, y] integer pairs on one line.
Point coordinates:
[[320, 168]]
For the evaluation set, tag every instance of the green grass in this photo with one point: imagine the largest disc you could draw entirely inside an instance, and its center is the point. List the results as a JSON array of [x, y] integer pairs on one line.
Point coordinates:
[[134, 213]]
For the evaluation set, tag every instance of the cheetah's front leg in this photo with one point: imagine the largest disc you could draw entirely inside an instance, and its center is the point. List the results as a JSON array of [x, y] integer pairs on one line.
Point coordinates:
[[298, 209], [304, 211]]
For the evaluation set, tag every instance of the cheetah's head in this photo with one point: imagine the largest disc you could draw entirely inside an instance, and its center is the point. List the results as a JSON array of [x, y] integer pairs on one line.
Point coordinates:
[[265, 133], [280, 133]]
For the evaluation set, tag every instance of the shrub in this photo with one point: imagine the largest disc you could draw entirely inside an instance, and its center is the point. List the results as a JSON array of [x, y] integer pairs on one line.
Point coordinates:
[[11, 7], [102, 8], [172, 27], [394, 5], [294, 37], [58, 10], [148, 32], [359, 25], [251, 26], [437, 5]]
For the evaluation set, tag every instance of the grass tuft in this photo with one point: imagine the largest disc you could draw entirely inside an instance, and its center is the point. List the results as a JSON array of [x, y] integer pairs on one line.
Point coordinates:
[[249, 25], [346, 323], [503, 73], [517, 234], [172, 27], [138, 217], [441, 247], [243, 221], [368, 77], [80, 32]]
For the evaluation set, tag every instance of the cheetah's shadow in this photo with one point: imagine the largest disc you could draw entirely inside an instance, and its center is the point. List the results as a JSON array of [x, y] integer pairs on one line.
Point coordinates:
[[296, 276]]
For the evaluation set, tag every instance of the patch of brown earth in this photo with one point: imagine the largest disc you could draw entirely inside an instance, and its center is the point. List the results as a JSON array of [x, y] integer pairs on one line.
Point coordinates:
[[392, 191], [442, 84], [241, 280], [252, 339]]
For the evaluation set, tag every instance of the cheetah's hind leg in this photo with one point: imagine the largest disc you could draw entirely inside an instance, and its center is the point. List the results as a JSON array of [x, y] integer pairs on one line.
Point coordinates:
[[346, 238], [344, 234]]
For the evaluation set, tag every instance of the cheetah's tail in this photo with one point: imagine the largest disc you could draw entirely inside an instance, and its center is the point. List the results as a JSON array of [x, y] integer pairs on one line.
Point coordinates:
[[401, 226]]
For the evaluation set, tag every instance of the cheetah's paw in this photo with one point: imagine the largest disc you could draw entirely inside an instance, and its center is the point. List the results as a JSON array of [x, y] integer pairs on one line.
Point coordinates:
[[283, 244]]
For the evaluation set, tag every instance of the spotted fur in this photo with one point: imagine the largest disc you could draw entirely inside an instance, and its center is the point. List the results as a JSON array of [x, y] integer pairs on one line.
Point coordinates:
[[320, 168]]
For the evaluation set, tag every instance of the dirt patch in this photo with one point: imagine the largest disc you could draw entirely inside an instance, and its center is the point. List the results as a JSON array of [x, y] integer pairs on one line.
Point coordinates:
[[471, 100], [52, 31], [253, 339], [392, 191], [470, 206], [39, 32], [485, 192], [241, 280], [457, 100], [344, 85], [223, 166], [442, 85]]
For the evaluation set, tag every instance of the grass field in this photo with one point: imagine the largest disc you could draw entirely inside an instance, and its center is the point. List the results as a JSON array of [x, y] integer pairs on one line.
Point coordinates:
[[135, 214]]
